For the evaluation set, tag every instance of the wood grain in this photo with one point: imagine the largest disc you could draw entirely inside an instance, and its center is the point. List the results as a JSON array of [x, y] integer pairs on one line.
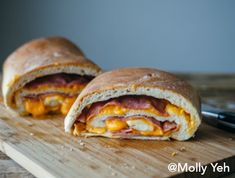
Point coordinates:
[[11, 169], [45, 150]]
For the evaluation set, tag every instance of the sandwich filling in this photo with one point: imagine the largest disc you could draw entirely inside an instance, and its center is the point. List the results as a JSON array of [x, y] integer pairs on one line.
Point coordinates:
[[52, 93], [132, 115]]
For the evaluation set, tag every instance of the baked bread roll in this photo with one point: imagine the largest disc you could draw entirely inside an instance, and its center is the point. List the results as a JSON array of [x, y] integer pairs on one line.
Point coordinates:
[[45, 76], [136, 103]]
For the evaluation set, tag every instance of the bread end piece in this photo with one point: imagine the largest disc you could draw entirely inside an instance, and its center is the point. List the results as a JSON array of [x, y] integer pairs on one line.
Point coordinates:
[[43, 57]]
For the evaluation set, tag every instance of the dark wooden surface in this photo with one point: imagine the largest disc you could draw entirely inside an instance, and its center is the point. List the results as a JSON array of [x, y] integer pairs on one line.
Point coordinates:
[[215, 89]]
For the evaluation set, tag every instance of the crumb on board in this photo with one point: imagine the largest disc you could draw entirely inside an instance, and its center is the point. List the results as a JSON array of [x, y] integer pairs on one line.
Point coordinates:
[[182, 149], [107, 146], [82, 143], [113, 173], [32, 134], [174, 153], [30, 124], [125, 165]]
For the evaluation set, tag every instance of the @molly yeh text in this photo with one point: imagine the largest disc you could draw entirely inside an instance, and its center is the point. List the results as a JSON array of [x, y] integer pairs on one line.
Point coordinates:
[[198, 167]]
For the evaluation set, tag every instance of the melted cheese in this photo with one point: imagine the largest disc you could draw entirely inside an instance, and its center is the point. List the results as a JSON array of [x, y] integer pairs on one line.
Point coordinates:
[[174, 110], [144, 127], [115, 124], [97, 130], [78, 128], [66, 105], [71, 89], [48, 103], [139, 125], [156, 132], [52, 100], [35, 107], [119, 110]]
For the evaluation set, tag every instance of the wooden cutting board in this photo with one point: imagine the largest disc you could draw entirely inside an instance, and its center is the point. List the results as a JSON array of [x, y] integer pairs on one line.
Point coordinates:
[[45, 150], [42, 147]]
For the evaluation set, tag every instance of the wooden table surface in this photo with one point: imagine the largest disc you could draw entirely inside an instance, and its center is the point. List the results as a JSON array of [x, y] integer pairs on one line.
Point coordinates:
[[215, 89]]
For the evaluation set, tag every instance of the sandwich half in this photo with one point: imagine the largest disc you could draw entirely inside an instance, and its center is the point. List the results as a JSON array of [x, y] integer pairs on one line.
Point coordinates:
[[136, 103], [45, 76]]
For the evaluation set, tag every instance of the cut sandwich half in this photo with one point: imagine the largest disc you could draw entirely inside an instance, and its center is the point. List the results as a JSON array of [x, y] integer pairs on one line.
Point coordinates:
[[136, 103], [45, 76]]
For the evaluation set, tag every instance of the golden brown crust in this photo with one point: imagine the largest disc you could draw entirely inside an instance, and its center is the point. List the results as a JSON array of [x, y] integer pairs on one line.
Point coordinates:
[[141, 77], [45, 52]]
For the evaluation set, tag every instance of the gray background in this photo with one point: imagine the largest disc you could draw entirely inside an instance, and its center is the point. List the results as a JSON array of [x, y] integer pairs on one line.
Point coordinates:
[[177, 35]]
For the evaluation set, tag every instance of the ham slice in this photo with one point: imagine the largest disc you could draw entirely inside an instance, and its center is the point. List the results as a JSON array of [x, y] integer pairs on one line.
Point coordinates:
[[134, 102], [60, 79], [131, 102], [167, 126]]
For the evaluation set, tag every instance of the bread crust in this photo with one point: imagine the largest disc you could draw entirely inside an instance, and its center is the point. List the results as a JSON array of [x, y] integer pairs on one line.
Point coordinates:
[[42, 57], [138, 81]]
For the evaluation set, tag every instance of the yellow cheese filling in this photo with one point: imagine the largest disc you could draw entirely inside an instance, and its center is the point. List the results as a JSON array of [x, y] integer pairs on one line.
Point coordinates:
[[58, 103], [139, 125], [66, 89], [119, 110], [54, 102]]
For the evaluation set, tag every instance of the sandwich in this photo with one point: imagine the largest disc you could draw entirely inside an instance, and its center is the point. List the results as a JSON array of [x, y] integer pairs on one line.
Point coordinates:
[[45, 76], [135, 103]]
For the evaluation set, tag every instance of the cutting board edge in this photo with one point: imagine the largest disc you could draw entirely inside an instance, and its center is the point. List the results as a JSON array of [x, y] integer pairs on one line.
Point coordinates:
[[24, 161]]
